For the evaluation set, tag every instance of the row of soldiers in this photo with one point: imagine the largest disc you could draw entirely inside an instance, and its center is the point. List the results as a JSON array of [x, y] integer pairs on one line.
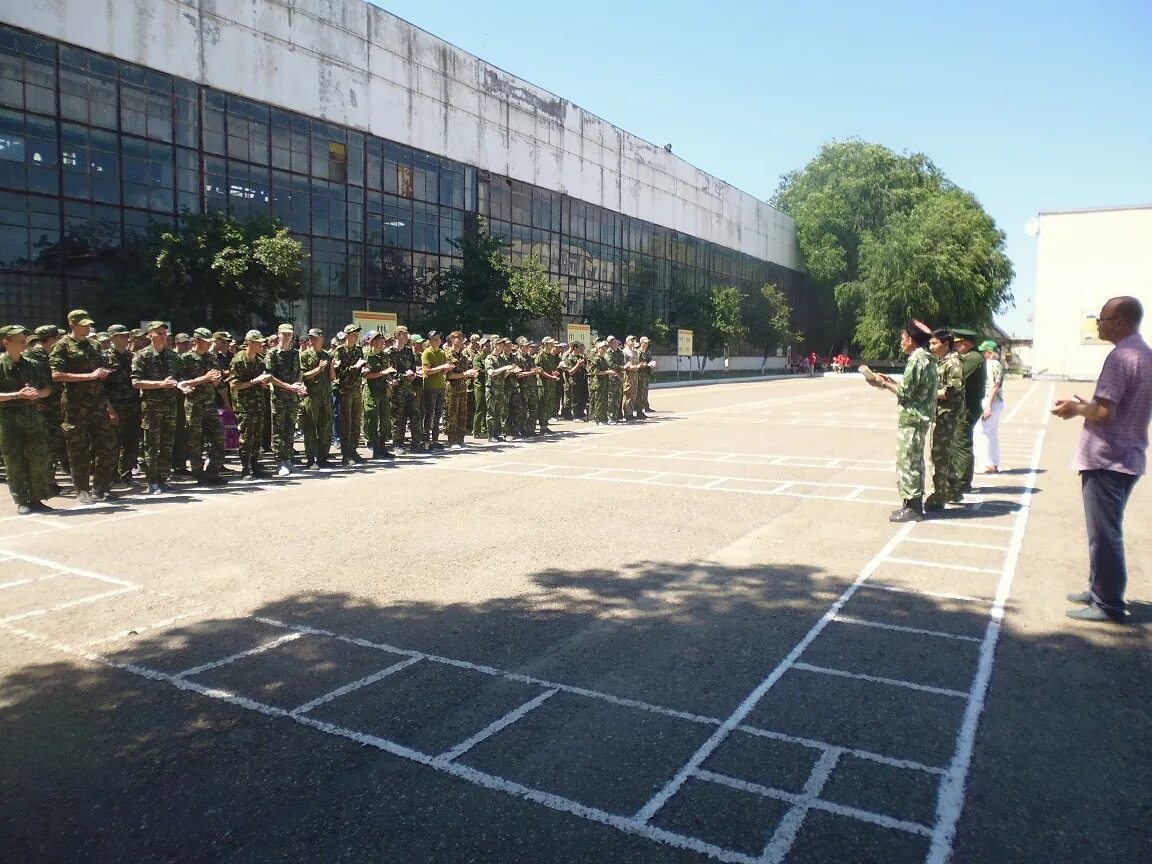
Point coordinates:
[[67, 400]]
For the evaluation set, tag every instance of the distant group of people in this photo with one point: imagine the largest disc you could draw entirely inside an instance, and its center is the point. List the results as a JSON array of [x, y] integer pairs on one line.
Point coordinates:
[[101, 406]]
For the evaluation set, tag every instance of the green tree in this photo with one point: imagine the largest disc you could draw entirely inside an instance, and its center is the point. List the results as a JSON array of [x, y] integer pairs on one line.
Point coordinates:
[[769, 318], [216, 271], [728, 328], [471, 296], [872, 227], [531, 295]]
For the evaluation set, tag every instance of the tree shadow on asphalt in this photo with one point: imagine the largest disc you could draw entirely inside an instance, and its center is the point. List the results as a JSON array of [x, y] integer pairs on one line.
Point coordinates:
[[99, 764]]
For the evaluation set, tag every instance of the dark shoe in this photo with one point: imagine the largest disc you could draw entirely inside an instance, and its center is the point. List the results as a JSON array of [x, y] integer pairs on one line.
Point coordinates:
[[181, 472], [435, 445], [24, 510], [912, 511], [55, 490], [640, 415], [418, 448], [966, 488], [359, 460], [153, 488], [933, 505], [1084, 598], [85, 497], [259, 472], [164, 489], [103, 495], [40, 507], [1095, 613], [325, 464], [495, 439], [212, 480], [957, 498], [308, 463]]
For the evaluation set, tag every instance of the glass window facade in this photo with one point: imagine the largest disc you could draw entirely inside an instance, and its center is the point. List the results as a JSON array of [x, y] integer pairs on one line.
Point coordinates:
[[93, 151]]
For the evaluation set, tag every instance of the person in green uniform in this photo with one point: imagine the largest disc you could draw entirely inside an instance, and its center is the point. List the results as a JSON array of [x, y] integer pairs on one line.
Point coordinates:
[[248, 379], [479, 385], [205, 431], [471, 349], [644, 377], [156, 372], [405, 407], [124, 399], [615, 382], [459, 376], [316, 410], [40, 345], [76, 363], [973, 367], [916, 396], [600, 375], [348, 361], [498, 372], [548, 364], [525, 404], [182, 343], [630, 379], [949, 415], [22, 441], [283, 362], [434, 367], [377, 384]]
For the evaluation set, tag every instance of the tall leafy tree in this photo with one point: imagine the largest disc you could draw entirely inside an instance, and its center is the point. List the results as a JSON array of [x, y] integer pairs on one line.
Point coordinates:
[[531, 296], [472, 295], [769, 318], [728, 329], [890, 237]]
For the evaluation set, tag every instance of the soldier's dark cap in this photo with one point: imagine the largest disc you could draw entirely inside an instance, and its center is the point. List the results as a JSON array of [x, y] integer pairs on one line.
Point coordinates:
[[352, 328], [203, 333], [137, 332], [80, 316], [46, 331], [316, 331], [521, 340], [117, 330], [374, 334], [156, 325], [965, 333], [222, 334], [180, 337], [487, 340], [432, 333], [14, 330]]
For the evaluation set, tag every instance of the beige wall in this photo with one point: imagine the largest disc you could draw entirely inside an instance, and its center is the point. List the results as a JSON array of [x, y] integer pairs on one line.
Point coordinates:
[[1082, 259]]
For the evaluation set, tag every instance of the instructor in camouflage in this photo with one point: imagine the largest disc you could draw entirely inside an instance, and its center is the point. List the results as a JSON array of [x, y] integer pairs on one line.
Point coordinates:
[[949, 416]]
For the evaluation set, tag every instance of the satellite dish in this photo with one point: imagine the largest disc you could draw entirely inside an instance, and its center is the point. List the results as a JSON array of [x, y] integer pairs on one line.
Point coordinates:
[[1032, 227]]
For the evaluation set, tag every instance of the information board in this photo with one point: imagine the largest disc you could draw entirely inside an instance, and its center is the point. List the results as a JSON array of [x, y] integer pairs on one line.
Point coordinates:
[[379, 321], [579, 333], [683, 343]]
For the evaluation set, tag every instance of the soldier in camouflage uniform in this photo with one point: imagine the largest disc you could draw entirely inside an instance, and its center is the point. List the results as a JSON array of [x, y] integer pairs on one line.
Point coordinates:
[[498, 369], [199, 377], [283, 362], [348, 360], [405, 406], [643, 378], [972, 364], [479, 386], [248, 378], [125, 400], [600, 376], [630, 378], [377, 386], [548, 371], [183, 344], [40, 345], [22, 439], [156, 372], [89, 434], [615, 382], [458, 378], [576, 383], [949, 415], [525, 406], [316, 410], [916, 395]]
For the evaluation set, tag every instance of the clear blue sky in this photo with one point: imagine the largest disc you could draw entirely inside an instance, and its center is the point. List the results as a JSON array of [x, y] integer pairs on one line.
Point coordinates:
[[1030, 104]]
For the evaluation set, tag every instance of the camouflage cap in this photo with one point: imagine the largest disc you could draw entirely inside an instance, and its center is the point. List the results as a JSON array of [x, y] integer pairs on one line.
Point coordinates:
[[156, 325], [504, 340], [547, 340], [14, 330], [102, 336], [253, 336], [286, 328], [137, 332], [180, 337], [400, 328], [47, 331], [352, 328], [222, 334], [203, 333], [521, 340], [487, 340], [608, 339], [80, 316], [316, 331], [475, 337], [117, 330]]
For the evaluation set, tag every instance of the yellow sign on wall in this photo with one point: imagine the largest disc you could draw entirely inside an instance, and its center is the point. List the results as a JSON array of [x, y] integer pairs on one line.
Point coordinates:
[[379, 321], [684, 343], [1088, 332], [579, 333]]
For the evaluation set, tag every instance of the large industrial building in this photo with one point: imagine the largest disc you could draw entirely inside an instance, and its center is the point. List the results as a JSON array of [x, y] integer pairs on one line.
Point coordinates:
[[376, 142]]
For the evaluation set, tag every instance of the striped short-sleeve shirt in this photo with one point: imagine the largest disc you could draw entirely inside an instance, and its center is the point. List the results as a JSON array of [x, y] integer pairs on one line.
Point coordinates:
[[1121, 443]]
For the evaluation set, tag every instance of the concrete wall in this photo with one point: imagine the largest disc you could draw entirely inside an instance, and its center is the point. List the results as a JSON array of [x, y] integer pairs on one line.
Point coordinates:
[[1082, 259], [352, 63]]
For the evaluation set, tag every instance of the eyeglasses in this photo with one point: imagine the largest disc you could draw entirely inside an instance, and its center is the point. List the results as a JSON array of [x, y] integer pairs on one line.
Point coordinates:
[[1107, 317]]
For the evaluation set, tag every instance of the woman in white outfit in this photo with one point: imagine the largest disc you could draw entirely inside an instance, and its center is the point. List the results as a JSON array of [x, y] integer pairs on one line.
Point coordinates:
[[988, 443]]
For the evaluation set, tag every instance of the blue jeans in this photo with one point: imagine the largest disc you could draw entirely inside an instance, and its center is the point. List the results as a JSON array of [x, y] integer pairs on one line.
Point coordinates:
[[1105, 496]]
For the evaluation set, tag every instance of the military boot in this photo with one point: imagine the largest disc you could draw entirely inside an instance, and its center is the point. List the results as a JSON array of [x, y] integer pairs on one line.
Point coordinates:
[[257, 471], [912, 511], [245, 468]]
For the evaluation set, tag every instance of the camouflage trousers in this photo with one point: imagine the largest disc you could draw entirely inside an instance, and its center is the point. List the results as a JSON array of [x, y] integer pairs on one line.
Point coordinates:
[[92, 451], [25, 449], [179, 453], [530, 400], [910, 439], [963, 451], [480, 415], [548, 407], [456, 414], [406, 414], [377, 417], [205, 433], [159, 425], [52, 416], [250, 424], [285, 412], [642, 382], [496, 409], [598, 396], [615, 397], [127, 435], [316, 424], [514, 420], [351, 421], [945, 480], [631, 391]]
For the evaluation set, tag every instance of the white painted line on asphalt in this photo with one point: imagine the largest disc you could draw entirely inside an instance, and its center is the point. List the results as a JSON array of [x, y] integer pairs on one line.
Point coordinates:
[[827, 806], [712, 484], [240, 655], [936, 565], [950, 799], [957, 543], [855, 493], [60, 607], [939, 595], [136, 631], [780, 844], [745, 708], [968, 523], [851, 751], [496, 726], [845, 619], [1011, 415], [64, 568], [353, 686], [19, 582], [876, 679]]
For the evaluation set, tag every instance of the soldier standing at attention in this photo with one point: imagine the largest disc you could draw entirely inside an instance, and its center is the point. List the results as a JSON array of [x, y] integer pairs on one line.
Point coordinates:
[[615, 382], [156, 372], [205, 431], [221, 355], [471, 349], [139, 340], [40, 345], [479, 386], [183, 344], [548, 365], [249, 378], [972, 365], [525, 404], [631, 379], [434, 366], [459, 376], [283, 362], [348, 360], [88, 432], [22, 441], [916, 396], [124, 399], [644, 378], [316, 412], [949, 416], [600, 375], [405, 413], [500, 369], [377, 410]]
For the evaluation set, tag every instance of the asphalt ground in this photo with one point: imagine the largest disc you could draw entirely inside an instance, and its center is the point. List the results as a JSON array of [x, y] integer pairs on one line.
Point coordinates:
[[692, 639]]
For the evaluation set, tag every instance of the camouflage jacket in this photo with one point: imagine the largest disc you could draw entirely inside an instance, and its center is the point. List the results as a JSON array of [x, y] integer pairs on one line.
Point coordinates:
[[549, 362], [478, 360], [951, 374], [496, 361], [15, 375], [247, 369], [79, 357], [285, 366], [148, 364], [118, 386], [348, 378], [916, 394], [376, 361], [460, 364], [403, 360], [644, 357], [598, 363], [318, 386], [195, 365], [616, 358], [38, 357]]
